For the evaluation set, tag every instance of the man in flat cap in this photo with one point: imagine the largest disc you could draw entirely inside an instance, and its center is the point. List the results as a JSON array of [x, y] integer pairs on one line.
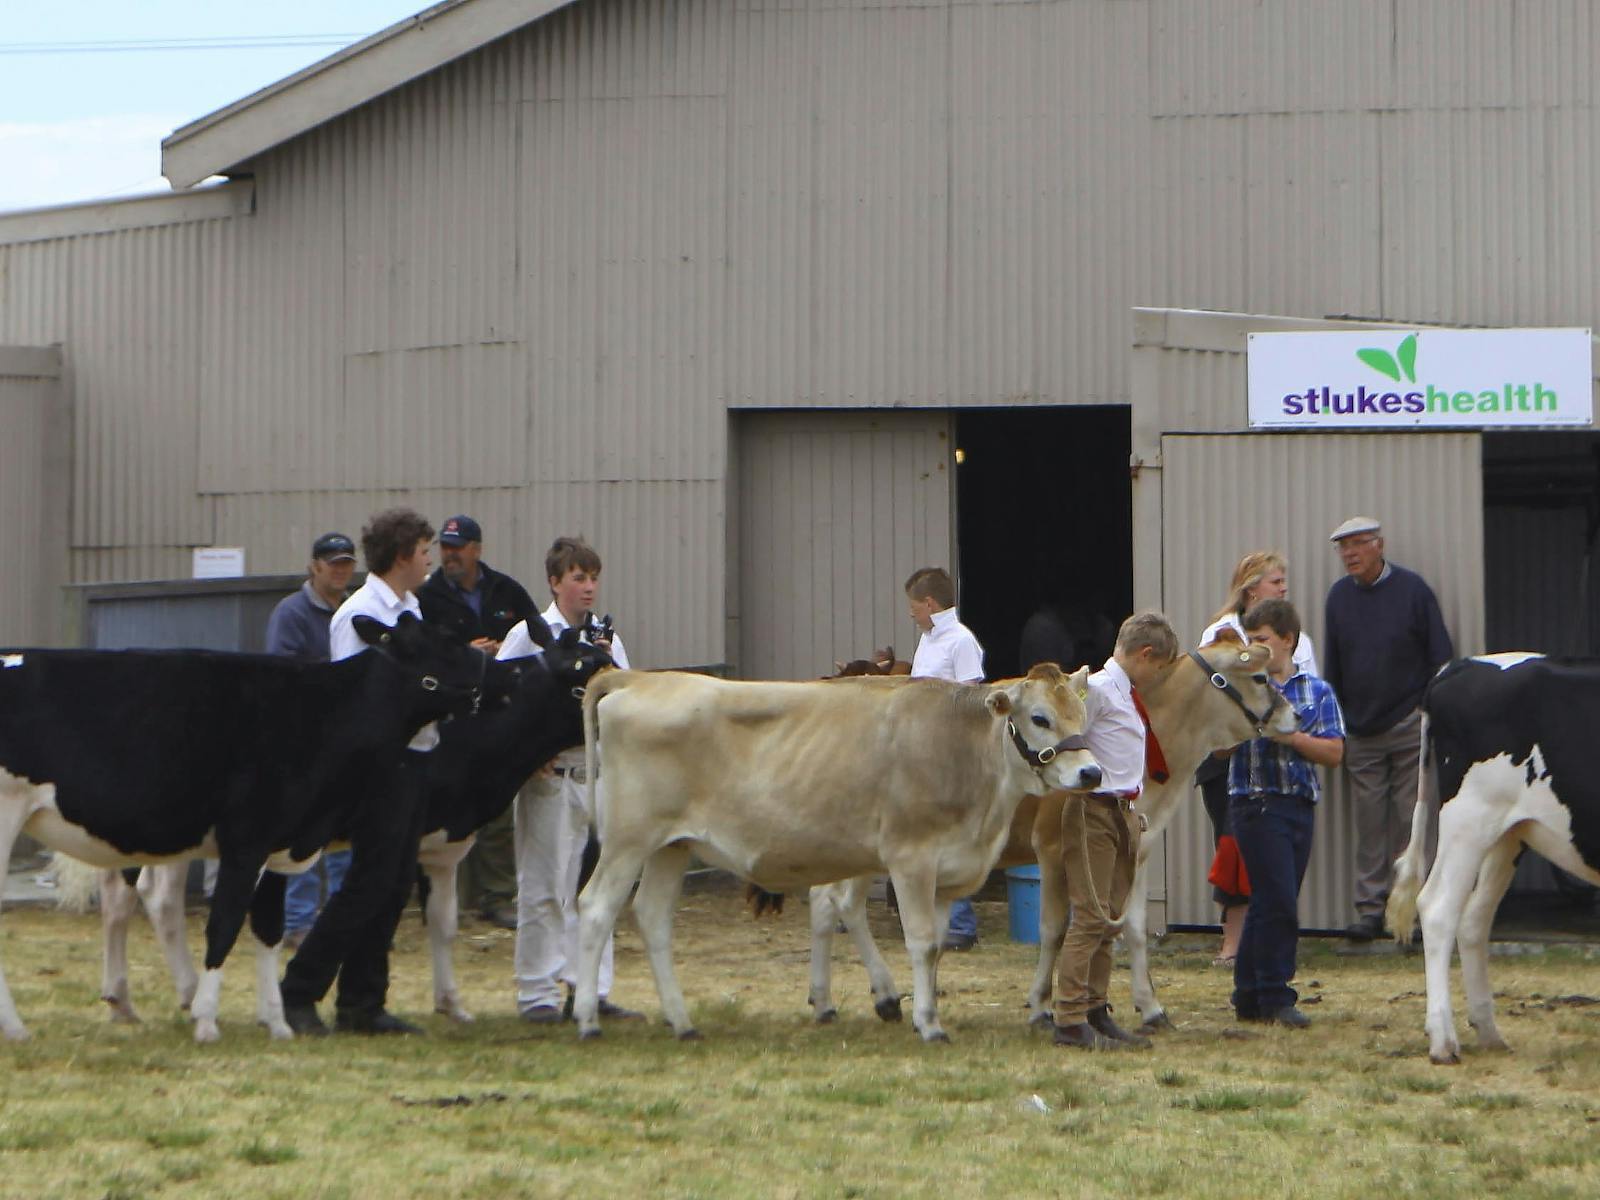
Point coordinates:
[[1385, 638], [479, 605]]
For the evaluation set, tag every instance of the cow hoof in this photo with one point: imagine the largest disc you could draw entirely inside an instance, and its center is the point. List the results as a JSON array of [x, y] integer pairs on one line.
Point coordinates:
[[937, 1035], [589, 1035], [206, 1031], [888, 1009], [455, 1012], [1041, 1020], [827, 1016], [690, 1035], [279, 1031], [122, 1012], [1156, 1024], [17, 1033], [1445, 1060]]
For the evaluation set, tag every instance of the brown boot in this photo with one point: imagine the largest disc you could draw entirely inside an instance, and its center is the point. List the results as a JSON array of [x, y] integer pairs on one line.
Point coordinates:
[[1100, 1020], [1084, 1037]]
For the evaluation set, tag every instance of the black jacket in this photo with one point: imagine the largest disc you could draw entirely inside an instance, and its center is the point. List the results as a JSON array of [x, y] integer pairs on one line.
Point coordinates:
[[505, 602]]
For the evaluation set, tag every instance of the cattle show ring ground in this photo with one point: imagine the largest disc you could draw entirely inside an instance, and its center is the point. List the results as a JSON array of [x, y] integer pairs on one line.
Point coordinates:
[[771, 1105]]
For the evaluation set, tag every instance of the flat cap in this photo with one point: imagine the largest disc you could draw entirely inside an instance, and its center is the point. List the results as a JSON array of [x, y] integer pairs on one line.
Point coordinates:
[[1354, 526]]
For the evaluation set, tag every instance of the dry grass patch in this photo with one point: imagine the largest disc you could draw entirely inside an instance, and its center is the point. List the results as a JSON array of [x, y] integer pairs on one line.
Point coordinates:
[[770, 1105]]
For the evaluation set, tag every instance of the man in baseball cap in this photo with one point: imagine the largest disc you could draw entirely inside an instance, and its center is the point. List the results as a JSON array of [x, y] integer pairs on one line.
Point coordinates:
[[1385, 638], [298, 628], [479, 605]]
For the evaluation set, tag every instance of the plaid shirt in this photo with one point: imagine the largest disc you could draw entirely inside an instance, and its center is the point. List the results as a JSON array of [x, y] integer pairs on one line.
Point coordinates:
[[1265, 766]]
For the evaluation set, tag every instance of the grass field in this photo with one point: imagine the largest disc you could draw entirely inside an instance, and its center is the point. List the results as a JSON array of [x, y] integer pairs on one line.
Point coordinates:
[[769, 1105]]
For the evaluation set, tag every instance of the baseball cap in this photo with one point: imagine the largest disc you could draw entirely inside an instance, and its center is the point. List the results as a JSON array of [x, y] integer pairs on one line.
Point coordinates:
[[458, 531], [1354, 526], [334, 547]]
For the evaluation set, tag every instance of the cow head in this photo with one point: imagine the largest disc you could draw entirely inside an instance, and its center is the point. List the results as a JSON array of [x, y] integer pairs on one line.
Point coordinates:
[[1044, 719], [573, 661], [1245, 705], [445, 676]]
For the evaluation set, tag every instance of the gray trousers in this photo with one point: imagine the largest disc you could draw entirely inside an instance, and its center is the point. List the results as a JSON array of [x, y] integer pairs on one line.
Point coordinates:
[[1383, 792]]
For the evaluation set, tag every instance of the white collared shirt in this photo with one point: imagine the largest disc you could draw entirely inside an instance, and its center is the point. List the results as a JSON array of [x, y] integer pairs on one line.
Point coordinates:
[[948, 651], [519, 645], [375, 599], [1305, 654], [1114, 730]]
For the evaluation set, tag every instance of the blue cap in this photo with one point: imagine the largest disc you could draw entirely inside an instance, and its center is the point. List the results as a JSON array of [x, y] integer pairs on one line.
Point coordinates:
[[334, 547], [458, 531]]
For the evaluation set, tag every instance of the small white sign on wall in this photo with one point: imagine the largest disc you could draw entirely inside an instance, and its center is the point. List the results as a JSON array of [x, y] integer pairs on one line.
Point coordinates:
[[1421, 379], [218, 562]]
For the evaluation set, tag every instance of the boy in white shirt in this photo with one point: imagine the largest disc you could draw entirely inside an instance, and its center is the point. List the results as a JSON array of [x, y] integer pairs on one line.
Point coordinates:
[[947, 649], [1102, 830], [551, 816]]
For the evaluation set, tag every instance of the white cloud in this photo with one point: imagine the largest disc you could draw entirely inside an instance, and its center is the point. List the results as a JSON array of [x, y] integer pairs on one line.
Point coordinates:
[[87, 158]]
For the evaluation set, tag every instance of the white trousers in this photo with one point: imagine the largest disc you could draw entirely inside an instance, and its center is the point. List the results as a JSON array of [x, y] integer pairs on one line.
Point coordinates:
[[552, 828]]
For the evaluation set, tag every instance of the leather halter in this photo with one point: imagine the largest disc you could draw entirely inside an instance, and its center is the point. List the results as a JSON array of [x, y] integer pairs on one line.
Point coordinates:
[[1039, 759], [1220, 681]]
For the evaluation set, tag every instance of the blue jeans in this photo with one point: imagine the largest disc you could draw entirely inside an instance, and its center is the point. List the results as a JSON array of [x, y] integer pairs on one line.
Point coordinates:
[[1274, 836], [963, 920], [302, 896]]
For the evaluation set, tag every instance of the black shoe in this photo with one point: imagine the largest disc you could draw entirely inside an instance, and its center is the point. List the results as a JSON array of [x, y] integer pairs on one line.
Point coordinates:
[[1100, 1021], [304, 1021], [1291, 1017], [1365, 929], [959, 941], [1083, 1036], [502, 916], [615, 1012], [381, 1021], [544, 1014]]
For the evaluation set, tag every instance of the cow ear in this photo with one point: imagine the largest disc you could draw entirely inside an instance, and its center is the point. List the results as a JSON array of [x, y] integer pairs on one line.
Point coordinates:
[[1227, 634], [1078, 681], [838, 667], [998, 701], [370, 631], [540, 632]]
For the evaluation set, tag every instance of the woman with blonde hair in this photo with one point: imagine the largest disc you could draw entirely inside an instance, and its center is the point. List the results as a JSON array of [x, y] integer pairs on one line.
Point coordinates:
[[1260, 575]]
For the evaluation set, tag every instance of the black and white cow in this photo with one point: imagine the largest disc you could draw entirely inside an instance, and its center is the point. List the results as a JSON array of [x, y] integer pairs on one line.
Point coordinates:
[[121, 758], [472, 777], [1510, 739]]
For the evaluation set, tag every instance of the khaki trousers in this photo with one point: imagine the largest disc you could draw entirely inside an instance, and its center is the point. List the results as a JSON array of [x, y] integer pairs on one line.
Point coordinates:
[[1109, 836], [1383, 794]]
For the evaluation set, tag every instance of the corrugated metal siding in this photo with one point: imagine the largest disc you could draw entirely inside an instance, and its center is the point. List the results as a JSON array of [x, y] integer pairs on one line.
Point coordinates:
[[563, 259], [24, 415], [1225, 495], [835, 512]]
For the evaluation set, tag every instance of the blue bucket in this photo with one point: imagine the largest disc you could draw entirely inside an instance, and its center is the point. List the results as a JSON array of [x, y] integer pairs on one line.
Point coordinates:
[[1022, 898]]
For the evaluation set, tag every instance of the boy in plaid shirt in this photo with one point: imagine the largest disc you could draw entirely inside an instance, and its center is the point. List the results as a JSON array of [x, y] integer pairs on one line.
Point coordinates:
[[1272, 797]]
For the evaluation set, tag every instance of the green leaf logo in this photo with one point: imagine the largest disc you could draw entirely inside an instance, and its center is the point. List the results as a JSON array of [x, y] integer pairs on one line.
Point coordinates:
[[1384, 363]]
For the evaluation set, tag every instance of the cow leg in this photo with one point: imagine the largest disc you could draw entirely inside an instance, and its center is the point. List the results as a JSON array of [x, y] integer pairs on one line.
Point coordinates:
[[824, 916], [654, 906], [266, 922], [598, 905], [923, 918], [1464, 839], [443, 913], [1494, 877], [1054, 909], [118, 901], [852, 898], [230, 904], [1136, 936], [161, 890], [13, 812]]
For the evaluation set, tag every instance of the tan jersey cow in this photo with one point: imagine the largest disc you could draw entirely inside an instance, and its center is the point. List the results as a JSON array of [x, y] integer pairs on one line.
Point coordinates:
[[1190, 715], [789, 785]]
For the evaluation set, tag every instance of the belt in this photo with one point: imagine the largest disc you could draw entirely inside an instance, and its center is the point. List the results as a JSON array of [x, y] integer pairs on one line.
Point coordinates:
[[1122, 800], [569, 772]]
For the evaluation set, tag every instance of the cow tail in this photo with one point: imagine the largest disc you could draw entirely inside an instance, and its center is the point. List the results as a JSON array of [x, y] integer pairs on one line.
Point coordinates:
[[598, 688], [77, 883], [1410, 869]]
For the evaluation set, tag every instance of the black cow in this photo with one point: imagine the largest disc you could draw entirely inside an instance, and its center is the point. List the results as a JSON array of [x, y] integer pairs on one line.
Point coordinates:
[[1509, 738], [129, 757], [473, 775]]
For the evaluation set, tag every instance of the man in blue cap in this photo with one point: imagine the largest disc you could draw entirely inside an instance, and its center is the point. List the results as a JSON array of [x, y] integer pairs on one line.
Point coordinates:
[[298, 628], [480, 605]]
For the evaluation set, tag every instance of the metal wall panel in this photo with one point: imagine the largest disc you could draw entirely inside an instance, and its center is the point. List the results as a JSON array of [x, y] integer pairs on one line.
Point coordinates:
[[1223, 495], [835, 512], [25, 404]]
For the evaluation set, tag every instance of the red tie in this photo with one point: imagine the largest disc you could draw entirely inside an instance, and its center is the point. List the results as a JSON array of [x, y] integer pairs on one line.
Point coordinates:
[[1155, 762]]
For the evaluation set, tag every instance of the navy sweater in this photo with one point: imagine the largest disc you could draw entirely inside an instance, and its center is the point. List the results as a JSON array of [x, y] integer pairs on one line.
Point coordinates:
[[1381, 646]]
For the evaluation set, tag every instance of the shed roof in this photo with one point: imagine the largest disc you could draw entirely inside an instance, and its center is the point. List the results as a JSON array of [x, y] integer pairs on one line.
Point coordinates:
[[222, 140]]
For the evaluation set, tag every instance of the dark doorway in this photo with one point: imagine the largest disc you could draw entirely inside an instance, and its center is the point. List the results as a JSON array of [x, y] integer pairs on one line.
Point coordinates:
[[1044, 527]]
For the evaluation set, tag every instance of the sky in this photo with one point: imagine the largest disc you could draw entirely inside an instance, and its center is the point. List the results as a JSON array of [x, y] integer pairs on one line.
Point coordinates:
[[84, 124]]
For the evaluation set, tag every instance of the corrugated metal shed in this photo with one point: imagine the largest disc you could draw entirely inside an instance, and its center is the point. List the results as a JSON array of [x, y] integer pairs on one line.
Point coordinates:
[[33, 453]]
